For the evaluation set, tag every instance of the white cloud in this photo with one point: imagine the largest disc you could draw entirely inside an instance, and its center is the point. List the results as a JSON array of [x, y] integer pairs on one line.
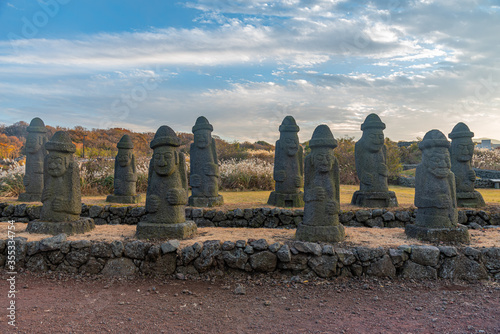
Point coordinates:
[[420, 65]]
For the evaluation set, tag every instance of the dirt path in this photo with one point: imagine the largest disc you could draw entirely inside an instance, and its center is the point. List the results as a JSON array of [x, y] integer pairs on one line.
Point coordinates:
[[279, 305]]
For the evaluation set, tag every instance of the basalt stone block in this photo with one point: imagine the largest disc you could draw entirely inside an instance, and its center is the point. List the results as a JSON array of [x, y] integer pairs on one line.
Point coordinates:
[[461, 152], [382, 268], [182, 231], [235, 258], [307, 247], [320, 233], [209, 256], [124, 199], [284, 254], [425, 255], [102, 249], [472, 199], [371, 167], [170, 246], [458, 234], [167, 191], [324, 266], [263, 261], [36, 263], [435, 194], [83, 225], [463, 268], [162, 265], [417, 271], [204, 177], [53, 243], [136, 249], [346, 256], [491, 259], [92, 267], [206, 202], [120, 267], [35, 156], [374, 199], [321, 210], [288, 167]]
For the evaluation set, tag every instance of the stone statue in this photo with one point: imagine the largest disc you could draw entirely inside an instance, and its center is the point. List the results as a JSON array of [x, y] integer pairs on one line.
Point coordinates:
[[435, 194], [321, 191], [204, 177], [61, 196], [371, 157], [35, 154], [461, 151], [167, 191], [288, 167], [125, 174]]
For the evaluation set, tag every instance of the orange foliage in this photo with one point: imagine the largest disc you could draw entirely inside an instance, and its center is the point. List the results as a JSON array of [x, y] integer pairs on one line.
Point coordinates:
[[10, 146]]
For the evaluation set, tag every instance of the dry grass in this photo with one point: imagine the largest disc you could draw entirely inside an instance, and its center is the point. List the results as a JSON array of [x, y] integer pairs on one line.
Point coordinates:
[[254, 199], [356, 236]]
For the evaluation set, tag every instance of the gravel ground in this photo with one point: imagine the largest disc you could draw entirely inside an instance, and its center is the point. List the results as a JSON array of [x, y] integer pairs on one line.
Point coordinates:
[[249, 304]]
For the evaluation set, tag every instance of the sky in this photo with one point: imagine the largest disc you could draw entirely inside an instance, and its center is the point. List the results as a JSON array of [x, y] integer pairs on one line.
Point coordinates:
[[246, 64]]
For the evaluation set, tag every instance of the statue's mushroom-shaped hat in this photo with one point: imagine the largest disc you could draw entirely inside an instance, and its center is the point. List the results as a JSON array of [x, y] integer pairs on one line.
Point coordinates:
[[322, 137], [434, 138], [36, 125], [202, 124], [165, 136], [460, 130], [60, 142], [125, 143], [372, 121], [289, 125]]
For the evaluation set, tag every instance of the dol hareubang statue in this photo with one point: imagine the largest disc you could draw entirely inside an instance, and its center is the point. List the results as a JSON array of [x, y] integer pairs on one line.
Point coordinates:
[[435, 194], [61, 196], [461, 150], [321, 191], [204, 177], [371, 156], [288, 167], [167, 190], [125, 181], [35, 154]]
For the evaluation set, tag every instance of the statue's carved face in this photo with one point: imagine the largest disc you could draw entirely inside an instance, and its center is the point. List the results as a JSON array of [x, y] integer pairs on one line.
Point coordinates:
[[323, 160], [34, 143], [462, 149], [57, 164], [373, 139], [202, 138], [164, 160], [124, 158], [437, 161], [290, 144]]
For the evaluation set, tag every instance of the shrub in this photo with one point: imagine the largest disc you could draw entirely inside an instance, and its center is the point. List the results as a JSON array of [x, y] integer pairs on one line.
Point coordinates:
[[393, 161], [410, 155], [249, 174], [96, 176], [486, 159], [347, 164], [12, 185]]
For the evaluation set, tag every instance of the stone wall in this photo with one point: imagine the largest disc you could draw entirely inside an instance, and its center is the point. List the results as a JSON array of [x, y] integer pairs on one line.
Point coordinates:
[[487, 174], [484, 182], [406, 182], [124, 258], [254, 218]]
